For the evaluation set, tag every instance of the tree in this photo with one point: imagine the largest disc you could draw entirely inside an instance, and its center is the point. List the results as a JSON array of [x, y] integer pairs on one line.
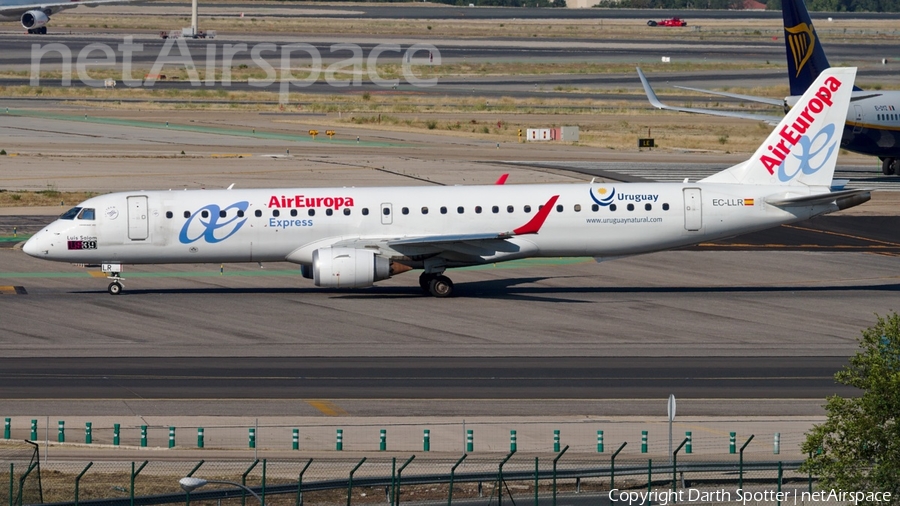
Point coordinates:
[[857, 449]]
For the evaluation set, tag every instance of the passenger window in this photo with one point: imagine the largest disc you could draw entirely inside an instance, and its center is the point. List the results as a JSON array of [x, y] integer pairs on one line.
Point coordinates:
[[311, 212], [443, 210], [477, 209], [205, 213], [577, 208], [424, 210], [240, 213], [346, 211], [187, 214], [559, 208], [222, 214], [330, 211], [495, 209], [460, 210], [86, 214], [631, 207], [169, 214], [665, 207], [647, 207], [365, 211], [405, 210], [612, 207], [257, 213], [527, 209], [276, 213], [510, 209], [595, 207], [293, 212], [385, 211], [72, 213]]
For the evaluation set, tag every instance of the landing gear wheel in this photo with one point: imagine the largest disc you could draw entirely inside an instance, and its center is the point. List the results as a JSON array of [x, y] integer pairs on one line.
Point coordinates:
[[425, 281], [887, 166], [895, 166], [114, 288], [441, 286]]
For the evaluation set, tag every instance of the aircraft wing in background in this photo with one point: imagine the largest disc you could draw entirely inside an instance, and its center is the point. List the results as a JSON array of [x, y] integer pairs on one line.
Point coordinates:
[[655, 102]]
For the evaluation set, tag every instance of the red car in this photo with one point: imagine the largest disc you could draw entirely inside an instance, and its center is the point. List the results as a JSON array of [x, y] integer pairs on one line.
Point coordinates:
[[668, 22]]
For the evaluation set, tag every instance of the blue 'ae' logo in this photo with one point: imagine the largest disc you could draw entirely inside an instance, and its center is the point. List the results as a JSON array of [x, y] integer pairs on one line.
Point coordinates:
[[817, 149], [604, 200], [207, 226]]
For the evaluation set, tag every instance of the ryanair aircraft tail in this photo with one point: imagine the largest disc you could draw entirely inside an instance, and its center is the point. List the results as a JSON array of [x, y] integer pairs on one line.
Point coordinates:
[[805, 57], [803, 148]]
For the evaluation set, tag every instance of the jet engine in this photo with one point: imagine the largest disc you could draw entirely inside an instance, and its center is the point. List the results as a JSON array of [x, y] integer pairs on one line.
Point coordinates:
[[35, 19], [348, 267]]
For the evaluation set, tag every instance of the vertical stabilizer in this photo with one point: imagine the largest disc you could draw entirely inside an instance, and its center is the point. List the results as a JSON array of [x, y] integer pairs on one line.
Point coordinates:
[[805, 57], [803, 148]]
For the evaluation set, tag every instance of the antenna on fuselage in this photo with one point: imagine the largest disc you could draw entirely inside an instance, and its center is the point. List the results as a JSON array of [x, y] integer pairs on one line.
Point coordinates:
[[230, 186]]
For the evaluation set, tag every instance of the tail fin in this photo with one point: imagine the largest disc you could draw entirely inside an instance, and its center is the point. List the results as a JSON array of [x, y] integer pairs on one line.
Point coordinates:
[[805, 57], [803, 148]]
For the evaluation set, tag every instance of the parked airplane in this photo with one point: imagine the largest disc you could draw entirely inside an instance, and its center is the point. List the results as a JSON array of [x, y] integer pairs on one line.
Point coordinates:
[[34, 16], [872, 126], [353, 237]]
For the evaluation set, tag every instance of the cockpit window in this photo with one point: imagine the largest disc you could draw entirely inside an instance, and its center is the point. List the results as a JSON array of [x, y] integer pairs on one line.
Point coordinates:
[[71, 214], [86, 214]]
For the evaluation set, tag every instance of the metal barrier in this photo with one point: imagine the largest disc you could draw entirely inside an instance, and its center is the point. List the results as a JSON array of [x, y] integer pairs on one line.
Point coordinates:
[[444, 479]]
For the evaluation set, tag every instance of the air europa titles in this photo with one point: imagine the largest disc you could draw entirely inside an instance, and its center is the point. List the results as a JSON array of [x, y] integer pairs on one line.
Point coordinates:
[[791, 134], [304, 201]]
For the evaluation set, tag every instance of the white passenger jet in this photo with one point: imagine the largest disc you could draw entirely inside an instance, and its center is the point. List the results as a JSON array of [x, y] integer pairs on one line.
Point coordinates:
[[872, 126], [353, 237], [35, 15]]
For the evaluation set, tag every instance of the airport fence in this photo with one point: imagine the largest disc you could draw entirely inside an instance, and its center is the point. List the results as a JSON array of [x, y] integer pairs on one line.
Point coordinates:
[[417, 479]]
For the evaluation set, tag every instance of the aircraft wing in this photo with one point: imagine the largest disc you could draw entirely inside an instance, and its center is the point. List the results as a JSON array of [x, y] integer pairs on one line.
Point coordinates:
[[10, 10], [475, 244], [749, 98], [655, 102]]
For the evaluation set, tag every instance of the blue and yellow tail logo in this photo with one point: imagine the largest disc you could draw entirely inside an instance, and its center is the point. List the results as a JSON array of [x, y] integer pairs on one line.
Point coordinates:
[[602, 196]]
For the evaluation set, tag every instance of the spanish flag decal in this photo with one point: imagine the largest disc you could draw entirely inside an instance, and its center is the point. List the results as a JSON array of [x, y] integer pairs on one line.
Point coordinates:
[[748, 202]]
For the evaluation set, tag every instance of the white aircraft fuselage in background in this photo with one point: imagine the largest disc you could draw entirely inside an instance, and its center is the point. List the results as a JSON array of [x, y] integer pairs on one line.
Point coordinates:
[[353, 237]]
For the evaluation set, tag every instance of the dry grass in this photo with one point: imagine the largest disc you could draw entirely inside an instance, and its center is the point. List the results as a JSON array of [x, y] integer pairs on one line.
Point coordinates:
[[49, 197], [260, 20]]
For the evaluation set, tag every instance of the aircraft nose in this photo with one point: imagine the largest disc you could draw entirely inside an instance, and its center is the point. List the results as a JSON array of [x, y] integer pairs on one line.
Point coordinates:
[[32, 247]]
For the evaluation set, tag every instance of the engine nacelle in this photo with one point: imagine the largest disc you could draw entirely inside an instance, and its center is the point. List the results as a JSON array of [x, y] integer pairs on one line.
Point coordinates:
[[348, 267], [35, 19]]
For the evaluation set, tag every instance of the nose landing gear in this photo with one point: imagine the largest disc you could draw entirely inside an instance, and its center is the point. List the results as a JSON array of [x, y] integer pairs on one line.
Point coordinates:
[[113, 272]]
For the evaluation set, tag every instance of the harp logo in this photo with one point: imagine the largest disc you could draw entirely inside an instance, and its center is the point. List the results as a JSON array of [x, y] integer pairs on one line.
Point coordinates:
[[801, 40]]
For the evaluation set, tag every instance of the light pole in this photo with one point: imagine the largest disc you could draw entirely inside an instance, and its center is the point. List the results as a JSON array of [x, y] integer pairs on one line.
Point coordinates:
[[190, 484]]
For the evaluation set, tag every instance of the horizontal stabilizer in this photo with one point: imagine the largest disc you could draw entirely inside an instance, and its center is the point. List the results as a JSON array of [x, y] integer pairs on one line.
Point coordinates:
[[781, 200]]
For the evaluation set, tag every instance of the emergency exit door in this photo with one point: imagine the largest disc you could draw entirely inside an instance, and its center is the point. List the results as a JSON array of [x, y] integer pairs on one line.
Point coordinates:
[[138, 224]]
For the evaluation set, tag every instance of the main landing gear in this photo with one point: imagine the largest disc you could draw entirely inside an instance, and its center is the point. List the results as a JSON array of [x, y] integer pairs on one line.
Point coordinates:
[[38, 31], [436, 284], [890, 166]]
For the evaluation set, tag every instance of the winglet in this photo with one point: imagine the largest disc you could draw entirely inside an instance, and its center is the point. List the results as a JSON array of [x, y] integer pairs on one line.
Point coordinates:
[[537, 222], [502, 179]]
